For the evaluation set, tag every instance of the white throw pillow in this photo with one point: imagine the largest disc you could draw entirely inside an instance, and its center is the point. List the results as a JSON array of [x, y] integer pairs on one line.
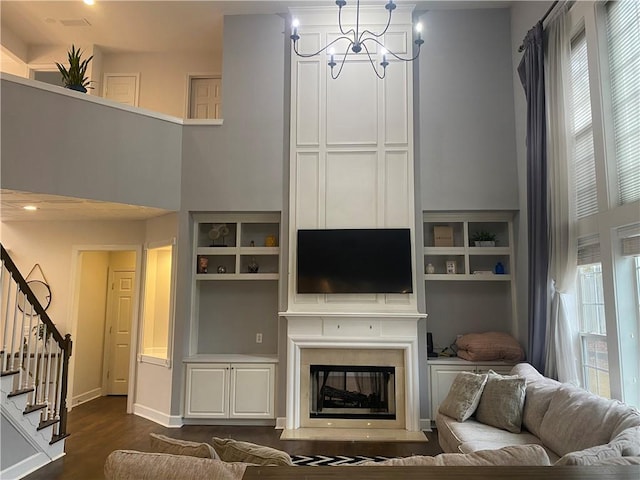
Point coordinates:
[[463, 396]]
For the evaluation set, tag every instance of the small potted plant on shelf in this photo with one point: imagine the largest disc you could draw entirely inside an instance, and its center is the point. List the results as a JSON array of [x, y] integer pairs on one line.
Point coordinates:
[[74, 77], [482, 238]]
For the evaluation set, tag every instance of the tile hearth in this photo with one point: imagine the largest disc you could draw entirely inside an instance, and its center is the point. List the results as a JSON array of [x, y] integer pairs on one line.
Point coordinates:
[[353, 435]]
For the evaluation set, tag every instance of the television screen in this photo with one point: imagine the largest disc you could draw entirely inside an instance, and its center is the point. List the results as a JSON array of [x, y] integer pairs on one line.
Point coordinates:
[[354, 261]]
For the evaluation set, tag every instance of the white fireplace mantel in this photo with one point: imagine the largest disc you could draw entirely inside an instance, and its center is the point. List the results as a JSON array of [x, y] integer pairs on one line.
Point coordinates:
[[353, 331]]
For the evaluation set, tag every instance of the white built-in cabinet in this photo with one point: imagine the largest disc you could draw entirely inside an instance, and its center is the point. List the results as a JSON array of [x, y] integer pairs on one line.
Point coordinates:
[[443, 371], [230, 390]]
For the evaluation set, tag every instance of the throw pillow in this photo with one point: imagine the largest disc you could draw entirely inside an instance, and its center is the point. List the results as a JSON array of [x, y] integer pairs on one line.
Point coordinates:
[[174, 446], [502, 402], [236, 451], [463, 396]]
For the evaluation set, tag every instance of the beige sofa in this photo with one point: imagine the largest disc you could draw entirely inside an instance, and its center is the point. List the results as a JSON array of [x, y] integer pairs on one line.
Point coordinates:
[[574, 426]]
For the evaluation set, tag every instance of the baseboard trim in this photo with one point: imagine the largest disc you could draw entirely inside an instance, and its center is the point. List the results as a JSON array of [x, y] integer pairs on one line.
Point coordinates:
[[281, 423], [169, 421], [425, 425], [86, 397], [25, 467]]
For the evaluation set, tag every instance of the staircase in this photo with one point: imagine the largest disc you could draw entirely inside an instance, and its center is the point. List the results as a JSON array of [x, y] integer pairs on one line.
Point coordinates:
[[34, 371]]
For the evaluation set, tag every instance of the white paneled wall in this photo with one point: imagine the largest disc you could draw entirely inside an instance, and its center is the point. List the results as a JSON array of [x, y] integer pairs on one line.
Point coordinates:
[[351, 145]]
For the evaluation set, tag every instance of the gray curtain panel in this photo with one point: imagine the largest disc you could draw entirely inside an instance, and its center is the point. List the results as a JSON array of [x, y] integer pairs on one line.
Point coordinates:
[[531, 71]]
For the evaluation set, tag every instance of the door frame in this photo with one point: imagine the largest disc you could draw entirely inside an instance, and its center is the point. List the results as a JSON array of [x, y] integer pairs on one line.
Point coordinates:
[[136, 94], [187, 95], [76, 250]]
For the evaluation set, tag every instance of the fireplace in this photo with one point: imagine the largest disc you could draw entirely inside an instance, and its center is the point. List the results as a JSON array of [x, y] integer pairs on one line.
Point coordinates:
[[352, 392]]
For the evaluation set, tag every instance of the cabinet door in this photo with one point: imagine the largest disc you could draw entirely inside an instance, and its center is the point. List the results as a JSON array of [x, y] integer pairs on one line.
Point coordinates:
[[442, 377], [207, 393], [252, 390]]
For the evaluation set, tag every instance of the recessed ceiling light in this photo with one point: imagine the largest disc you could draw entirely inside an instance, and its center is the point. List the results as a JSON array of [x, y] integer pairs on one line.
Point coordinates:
[[89, 2], [31, 208]]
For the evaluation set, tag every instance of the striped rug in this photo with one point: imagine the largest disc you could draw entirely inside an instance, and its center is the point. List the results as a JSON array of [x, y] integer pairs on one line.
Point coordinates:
[[333, 461]]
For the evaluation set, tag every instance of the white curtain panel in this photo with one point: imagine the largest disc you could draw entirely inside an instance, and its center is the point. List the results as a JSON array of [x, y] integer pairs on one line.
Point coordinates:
[[562, 361]]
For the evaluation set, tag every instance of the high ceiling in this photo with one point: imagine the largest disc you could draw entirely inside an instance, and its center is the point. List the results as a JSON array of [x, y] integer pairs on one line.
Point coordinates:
[[152, 25]]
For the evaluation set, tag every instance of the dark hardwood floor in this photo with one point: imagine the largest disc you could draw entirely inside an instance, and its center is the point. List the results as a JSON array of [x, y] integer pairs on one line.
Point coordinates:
[[102, 425]]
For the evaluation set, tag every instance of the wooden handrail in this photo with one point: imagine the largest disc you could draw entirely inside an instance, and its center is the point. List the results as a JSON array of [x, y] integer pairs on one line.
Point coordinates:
[[33, 300], [64, 342]]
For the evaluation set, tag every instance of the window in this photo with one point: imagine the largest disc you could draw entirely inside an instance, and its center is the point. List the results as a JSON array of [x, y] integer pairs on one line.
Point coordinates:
[[584, 157], [591, 318], [157, 316], [604, 106], [623, 40]]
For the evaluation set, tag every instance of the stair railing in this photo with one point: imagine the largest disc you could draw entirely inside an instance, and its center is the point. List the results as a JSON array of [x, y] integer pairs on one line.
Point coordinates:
[[33, 350]]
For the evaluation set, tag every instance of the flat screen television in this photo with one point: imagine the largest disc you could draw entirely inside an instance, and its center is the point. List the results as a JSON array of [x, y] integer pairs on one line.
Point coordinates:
[[354, 261]]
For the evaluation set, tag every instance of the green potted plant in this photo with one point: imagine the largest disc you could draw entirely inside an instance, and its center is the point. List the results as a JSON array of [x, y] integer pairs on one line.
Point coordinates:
[[74, 77], [482, 238]]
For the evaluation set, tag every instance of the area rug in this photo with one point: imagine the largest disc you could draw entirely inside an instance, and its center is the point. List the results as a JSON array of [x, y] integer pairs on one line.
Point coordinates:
[[333, 461]]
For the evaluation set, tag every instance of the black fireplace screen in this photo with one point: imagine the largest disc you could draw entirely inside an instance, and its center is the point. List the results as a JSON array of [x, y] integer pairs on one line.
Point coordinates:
[[352, 392]]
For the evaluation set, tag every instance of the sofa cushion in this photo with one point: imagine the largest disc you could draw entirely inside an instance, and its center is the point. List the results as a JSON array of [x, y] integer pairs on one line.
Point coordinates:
[[577, 419], [471, 436], [507, 456], [502, 402], [174, 446], [625, 444], [536, 403], [132, 465], [463, 396], [231, 450]]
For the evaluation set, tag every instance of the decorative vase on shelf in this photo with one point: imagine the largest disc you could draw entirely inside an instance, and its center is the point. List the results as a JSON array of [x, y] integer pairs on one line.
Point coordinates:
[[499, 270], [253, 266], [430, 268]]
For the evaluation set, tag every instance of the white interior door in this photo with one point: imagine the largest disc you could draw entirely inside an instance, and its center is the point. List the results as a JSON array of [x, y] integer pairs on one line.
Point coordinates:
[[118, 340], [122, 88], [205, 98]]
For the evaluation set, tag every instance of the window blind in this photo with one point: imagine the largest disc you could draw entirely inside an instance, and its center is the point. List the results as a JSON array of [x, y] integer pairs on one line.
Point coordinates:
[[589, 250], [583, 155], [623, 38]]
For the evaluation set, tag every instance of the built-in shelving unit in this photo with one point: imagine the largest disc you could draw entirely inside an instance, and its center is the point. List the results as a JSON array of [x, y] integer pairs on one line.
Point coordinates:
[[472, 263], [230, 370], [251, 240]]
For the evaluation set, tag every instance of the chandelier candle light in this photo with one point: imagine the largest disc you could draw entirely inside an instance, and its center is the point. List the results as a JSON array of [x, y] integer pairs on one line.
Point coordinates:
[[359, 39]]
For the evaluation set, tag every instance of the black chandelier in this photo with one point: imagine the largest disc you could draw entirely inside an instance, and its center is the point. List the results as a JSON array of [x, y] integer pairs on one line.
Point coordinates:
[[358, 41]]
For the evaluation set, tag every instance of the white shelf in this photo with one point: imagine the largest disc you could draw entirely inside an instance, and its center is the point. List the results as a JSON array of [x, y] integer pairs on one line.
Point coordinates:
[[237, 276], [465, 277]]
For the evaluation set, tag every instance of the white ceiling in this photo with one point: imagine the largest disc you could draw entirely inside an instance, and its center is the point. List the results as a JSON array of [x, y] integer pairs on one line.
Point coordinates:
[[152, 25], [58, 208]]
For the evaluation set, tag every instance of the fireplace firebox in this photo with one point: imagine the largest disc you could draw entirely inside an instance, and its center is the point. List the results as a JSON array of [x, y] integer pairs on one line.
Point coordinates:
[[352, 392]]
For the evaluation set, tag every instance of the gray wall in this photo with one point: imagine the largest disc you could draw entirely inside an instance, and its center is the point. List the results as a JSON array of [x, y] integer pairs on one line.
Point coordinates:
[[239, 165], [467, 149], [14, 446], [55, 144]]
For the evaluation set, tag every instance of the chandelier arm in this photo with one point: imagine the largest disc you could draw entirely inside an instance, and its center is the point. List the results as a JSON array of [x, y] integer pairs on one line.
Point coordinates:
[[344, 59], [373, 65], [351, 31], [376, 35], [389, 52], [307, 55]]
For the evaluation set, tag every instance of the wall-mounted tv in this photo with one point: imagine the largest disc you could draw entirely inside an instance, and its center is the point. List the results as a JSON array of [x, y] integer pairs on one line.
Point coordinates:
[[374, 260]]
